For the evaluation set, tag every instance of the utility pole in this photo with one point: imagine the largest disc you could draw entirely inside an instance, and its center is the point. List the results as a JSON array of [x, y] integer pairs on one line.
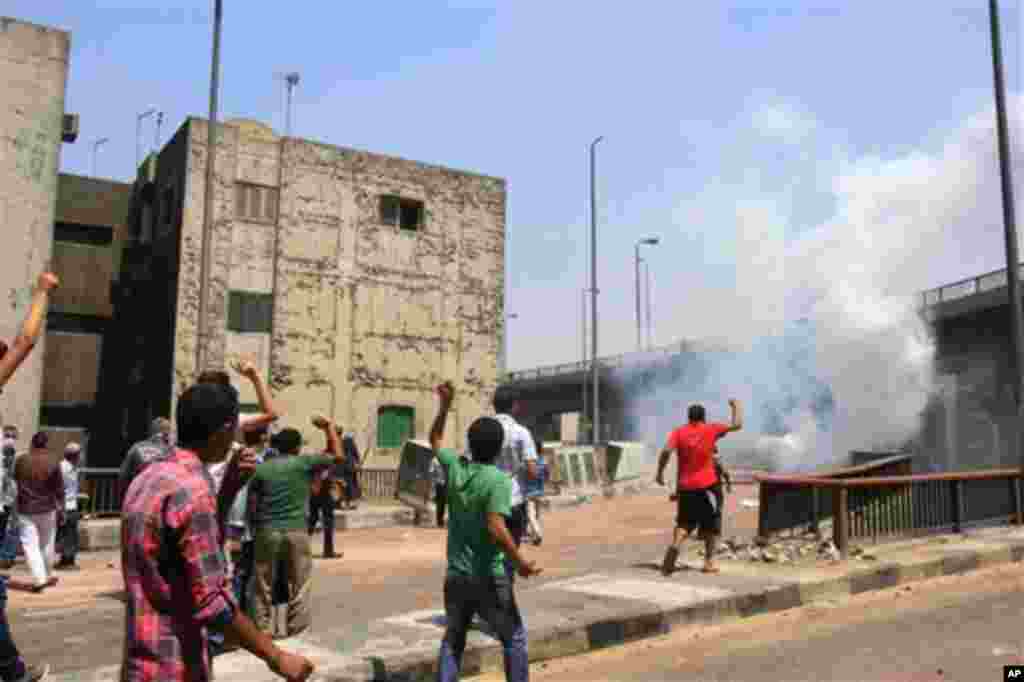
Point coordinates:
[[202, 343], [647, 298], [156, 136], [583, 367], [138, 134], [594, 291], [290, 80], [95, 148], [1009, 226]]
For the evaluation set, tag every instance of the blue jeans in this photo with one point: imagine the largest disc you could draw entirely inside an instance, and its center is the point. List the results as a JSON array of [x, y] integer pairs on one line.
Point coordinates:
[[11, 540], [494, 600], [11, 665]]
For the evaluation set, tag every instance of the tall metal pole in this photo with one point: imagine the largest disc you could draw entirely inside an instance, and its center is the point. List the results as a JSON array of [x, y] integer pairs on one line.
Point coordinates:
[[594, 291], [1009, 225], [95, 148], [138, 135], [647, 298], [639, 316], [202, 351], [156, 135], [583, 328]]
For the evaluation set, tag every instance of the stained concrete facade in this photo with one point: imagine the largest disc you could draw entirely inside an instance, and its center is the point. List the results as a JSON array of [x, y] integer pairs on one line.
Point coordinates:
[[88, 235], [365, 315], [33, 78]]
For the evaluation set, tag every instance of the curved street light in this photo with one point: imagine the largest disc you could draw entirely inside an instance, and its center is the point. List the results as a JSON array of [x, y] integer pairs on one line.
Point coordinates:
[[650, 241]]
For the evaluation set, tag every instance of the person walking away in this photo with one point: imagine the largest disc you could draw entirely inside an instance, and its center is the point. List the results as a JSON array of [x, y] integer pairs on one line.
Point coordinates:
[[9, 542], [67, 531], [13, 667], [159, 444], [440, 476], [172, 517], [722, 476], [352, 465], [477, 580], [40, 501], [518, 459], [534, 493], [696, 505], [321, 506], [239, 523], [278, 499]]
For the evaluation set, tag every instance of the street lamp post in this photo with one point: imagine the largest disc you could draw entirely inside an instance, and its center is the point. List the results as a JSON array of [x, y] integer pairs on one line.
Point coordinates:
[[650, 241], [95, 147], [647, 297], [504, 343], [583, 366], [1009, 224], [202, 350], [138, 134], [594, 291]]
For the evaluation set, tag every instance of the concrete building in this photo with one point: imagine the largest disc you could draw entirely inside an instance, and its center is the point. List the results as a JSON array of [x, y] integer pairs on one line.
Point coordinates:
[[88, 234], [357, 280], [33, 78]]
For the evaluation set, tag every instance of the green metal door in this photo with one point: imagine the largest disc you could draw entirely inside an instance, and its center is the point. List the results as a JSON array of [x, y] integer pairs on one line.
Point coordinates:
[[394, 426]]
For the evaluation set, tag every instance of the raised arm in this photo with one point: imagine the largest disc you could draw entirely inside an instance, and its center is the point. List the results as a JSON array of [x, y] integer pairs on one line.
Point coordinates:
[[736, 423], [446, 393], [331, 433], [31, 328], [666, 451], [268, 412]]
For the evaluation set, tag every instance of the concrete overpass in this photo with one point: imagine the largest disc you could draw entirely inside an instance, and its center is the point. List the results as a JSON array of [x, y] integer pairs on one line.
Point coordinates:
[[969, 424]]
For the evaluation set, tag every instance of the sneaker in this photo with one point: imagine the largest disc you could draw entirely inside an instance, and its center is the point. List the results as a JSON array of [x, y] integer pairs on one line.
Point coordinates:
[[35, 673]]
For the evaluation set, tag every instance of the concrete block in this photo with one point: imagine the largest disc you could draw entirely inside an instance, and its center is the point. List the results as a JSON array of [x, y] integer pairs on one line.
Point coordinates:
[[626, 461]]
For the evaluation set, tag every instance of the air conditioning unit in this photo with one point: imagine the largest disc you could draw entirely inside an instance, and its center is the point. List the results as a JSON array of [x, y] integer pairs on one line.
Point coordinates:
[[69, 130]]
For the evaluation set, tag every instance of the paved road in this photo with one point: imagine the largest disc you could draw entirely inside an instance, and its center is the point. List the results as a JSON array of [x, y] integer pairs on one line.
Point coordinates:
[[962, 628], [79, 623]]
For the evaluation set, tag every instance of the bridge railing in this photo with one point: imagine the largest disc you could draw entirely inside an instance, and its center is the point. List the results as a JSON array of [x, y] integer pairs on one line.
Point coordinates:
[[620, 360], [968, 287]]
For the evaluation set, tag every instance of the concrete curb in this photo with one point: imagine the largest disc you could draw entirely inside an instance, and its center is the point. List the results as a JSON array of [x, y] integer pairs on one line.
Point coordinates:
[[583, 637]]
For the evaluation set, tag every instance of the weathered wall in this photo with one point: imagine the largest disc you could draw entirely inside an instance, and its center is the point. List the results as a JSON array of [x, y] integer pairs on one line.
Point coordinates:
[[33, 77], [365, 315]]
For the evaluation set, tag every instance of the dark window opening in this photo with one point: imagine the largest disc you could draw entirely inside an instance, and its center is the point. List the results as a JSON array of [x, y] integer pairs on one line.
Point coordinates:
[[91, 235], [405, 214], [256, 203], [250, 313], [75, 323]]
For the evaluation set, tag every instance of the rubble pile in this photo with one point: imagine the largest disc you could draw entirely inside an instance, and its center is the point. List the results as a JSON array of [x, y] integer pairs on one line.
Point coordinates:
[[809, 547]]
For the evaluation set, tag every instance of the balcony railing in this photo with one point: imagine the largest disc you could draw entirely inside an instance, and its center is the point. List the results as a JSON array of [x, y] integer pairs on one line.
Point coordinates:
[[968, 287]]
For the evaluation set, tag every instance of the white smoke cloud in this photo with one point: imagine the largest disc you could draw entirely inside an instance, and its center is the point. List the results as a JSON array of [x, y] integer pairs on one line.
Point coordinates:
[[898, 225]]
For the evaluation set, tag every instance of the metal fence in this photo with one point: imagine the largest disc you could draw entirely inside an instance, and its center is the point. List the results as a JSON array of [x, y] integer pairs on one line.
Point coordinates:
[[100, 485], [967, 287], [908, 506]]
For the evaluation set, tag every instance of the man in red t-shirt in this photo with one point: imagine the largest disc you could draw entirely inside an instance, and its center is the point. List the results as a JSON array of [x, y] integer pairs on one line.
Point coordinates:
[[697, 505]]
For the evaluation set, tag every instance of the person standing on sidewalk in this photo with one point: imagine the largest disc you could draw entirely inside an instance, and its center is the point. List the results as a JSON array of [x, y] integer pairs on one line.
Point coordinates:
[[534, 493], [697, 505], [351, 467], [440, 476], [278, 498], [67, 531], [322, 502], [477, 580], [40, 502], [12, 667], [9, 542], [172, 554], [159, 444], [518, 459]]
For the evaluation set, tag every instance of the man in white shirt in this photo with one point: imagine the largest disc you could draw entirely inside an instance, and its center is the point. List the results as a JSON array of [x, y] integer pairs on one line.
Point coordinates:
[[518, 459], [67, 530]]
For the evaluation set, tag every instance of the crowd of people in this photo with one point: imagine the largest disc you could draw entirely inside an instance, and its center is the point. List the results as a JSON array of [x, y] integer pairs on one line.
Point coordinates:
[[218, 517]]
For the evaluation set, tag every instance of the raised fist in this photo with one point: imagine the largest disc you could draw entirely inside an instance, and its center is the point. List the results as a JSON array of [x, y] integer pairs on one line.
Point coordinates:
[[321, 422], [47, 282], [446, 391], [246, 367]]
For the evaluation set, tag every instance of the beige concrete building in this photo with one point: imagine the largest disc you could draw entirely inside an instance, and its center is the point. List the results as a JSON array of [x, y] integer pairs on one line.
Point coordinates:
[[357, 280], [33, 77]]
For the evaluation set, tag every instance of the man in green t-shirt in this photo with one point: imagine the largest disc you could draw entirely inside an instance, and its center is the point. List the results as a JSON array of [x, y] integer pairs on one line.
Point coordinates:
[[479, 499], [278, 498]]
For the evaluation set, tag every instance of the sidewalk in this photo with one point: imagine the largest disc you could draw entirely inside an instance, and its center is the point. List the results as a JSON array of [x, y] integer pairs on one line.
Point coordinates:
[[575, 615]]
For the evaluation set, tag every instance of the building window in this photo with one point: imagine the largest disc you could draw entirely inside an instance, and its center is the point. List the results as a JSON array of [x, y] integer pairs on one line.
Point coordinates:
[[91, 235], [167, 206], [256, 203], [395, 425], [250, 313], [405, 214]]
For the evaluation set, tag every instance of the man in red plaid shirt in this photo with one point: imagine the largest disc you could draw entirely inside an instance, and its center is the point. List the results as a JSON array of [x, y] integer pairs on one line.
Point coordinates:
[[175, 570]]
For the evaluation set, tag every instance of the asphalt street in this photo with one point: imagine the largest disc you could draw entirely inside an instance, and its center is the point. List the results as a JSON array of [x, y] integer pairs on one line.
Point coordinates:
[[962, 628]]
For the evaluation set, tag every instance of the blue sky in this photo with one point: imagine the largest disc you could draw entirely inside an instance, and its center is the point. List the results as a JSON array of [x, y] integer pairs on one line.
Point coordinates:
[[700, 107]]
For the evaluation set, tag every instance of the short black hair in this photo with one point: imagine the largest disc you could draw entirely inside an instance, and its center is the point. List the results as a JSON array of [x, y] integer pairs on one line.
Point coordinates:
[[203, 410], [255, 436], [289, 441], [486, 436], [696, 413], [214, 376], [504, 400], [40, 440]]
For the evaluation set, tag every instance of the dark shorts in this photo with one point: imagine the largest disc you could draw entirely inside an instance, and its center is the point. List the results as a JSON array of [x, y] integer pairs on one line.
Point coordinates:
[[517, 523], [699, 510]]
